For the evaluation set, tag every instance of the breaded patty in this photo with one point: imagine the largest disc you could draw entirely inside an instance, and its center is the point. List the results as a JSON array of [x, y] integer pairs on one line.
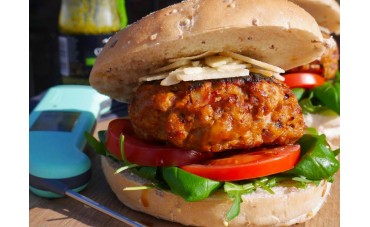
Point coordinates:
[[217, 115]]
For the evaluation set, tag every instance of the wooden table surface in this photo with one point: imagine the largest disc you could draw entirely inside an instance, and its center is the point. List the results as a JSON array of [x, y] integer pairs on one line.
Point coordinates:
[[68, 212]]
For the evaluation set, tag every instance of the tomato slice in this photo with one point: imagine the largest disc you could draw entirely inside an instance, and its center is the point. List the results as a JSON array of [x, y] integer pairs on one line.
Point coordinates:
[[248, 165], [303, 80], [147, 154]]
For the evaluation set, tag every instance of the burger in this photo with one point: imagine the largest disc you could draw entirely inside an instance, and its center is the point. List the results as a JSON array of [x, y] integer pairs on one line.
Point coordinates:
[[215, 137], [317, 84]]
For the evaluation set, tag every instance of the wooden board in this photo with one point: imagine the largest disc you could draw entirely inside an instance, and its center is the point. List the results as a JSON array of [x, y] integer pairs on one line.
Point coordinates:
[[68, 212]]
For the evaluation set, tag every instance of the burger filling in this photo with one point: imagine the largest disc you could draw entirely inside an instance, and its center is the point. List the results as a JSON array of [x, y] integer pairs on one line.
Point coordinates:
[[217, 122]]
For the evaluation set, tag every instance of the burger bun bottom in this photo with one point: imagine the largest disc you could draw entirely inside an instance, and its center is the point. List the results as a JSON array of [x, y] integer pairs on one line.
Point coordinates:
[[288, 206]]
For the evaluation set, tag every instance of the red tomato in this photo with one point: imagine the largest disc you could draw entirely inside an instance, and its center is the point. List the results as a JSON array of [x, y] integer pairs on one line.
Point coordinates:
[[146, 154], [248, 165], [303, 80]]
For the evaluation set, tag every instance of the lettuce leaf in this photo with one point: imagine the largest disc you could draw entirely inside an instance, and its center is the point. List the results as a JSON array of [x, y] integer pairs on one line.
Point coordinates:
[[317, 160], [189, 186], [321, 98]]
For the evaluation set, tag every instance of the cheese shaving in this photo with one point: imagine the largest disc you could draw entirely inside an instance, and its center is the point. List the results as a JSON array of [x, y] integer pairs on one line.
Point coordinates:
[[208, 66], [172, 66], [252, 61], [216, 61], [200, 73], [267, 73], [151, 78]]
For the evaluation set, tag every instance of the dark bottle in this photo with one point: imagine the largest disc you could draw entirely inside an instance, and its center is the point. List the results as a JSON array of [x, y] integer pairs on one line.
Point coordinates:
[[85, 26]]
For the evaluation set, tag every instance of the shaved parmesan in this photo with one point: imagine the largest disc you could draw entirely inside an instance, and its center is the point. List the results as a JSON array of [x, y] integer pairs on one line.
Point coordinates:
[[267, 73], [216, 60], [151, 78], [200, 73], [262, 71], [171, 79], [252, 61], [172, 66], [209, 65], [209, 74], [230, 67]]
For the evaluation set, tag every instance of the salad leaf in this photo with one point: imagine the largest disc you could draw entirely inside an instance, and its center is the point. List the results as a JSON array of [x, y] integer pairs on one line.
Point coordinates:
[[317, 159], [95, 144], [329, 95], [235, 191], [189, 186], [311, 130], [98, 146], [123, 168], [337, 152], [298, 92], [322, 98], [148, 172], [309, 105]]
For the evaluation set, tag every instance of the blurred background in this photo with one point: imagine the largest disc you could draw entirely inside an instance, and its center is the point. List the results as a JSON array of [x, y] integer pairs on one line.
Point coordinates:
[[45, 32]]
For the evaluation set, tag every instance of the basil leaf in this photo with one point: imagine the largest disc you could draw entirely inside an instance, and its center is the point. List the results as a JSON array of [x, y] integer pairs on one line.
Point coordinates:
[[337, 152], [235, 191], [101, 136], [298, 92], [329, 95], [95, 144], [189, 186], [311, 130], [309, 105], [235, 208], [317, 160], [337, 77], [148, 172]]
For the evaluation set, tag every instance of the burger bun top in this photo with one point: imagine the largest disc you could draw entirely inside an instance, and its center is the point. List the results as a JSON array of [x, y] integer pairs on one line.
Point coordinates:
[[277, 32], [326, 12]]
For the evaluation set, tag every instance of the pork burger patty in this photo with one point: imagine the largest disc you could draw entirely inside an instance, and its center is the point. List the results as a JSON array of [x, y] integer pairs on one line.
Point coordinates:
[[217, 115]]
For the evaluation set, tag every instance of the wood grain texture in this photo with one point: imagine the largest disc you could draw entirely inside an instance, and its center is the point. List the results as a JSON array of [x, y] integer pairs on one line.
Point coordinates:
[[68, 212]]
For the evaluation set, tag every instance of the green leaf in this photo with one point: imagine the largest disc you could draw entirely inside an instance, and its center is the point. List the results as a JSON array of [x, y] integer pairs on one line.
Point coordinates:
[[123, 168], [122, 149], [148, 172], [329, 95], [95, 144], [136, 188], [235, 208], [264, 186], [298, 92], [189, 186], [310, 130], [336, 152], [101, 136], [235, 191], [305, 181], [308, 105], [337, 77], [317, 161]]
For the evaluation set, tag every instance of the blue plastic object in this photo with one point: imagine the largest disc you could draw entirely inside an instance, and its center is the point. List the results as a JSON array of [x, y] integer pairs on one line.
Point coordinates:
[[56, 137]]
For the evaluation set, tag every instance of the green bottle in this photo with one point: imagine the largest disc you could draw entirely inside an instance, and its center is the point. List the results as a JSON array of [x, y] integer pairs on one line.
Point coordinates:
[[85, 26]]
